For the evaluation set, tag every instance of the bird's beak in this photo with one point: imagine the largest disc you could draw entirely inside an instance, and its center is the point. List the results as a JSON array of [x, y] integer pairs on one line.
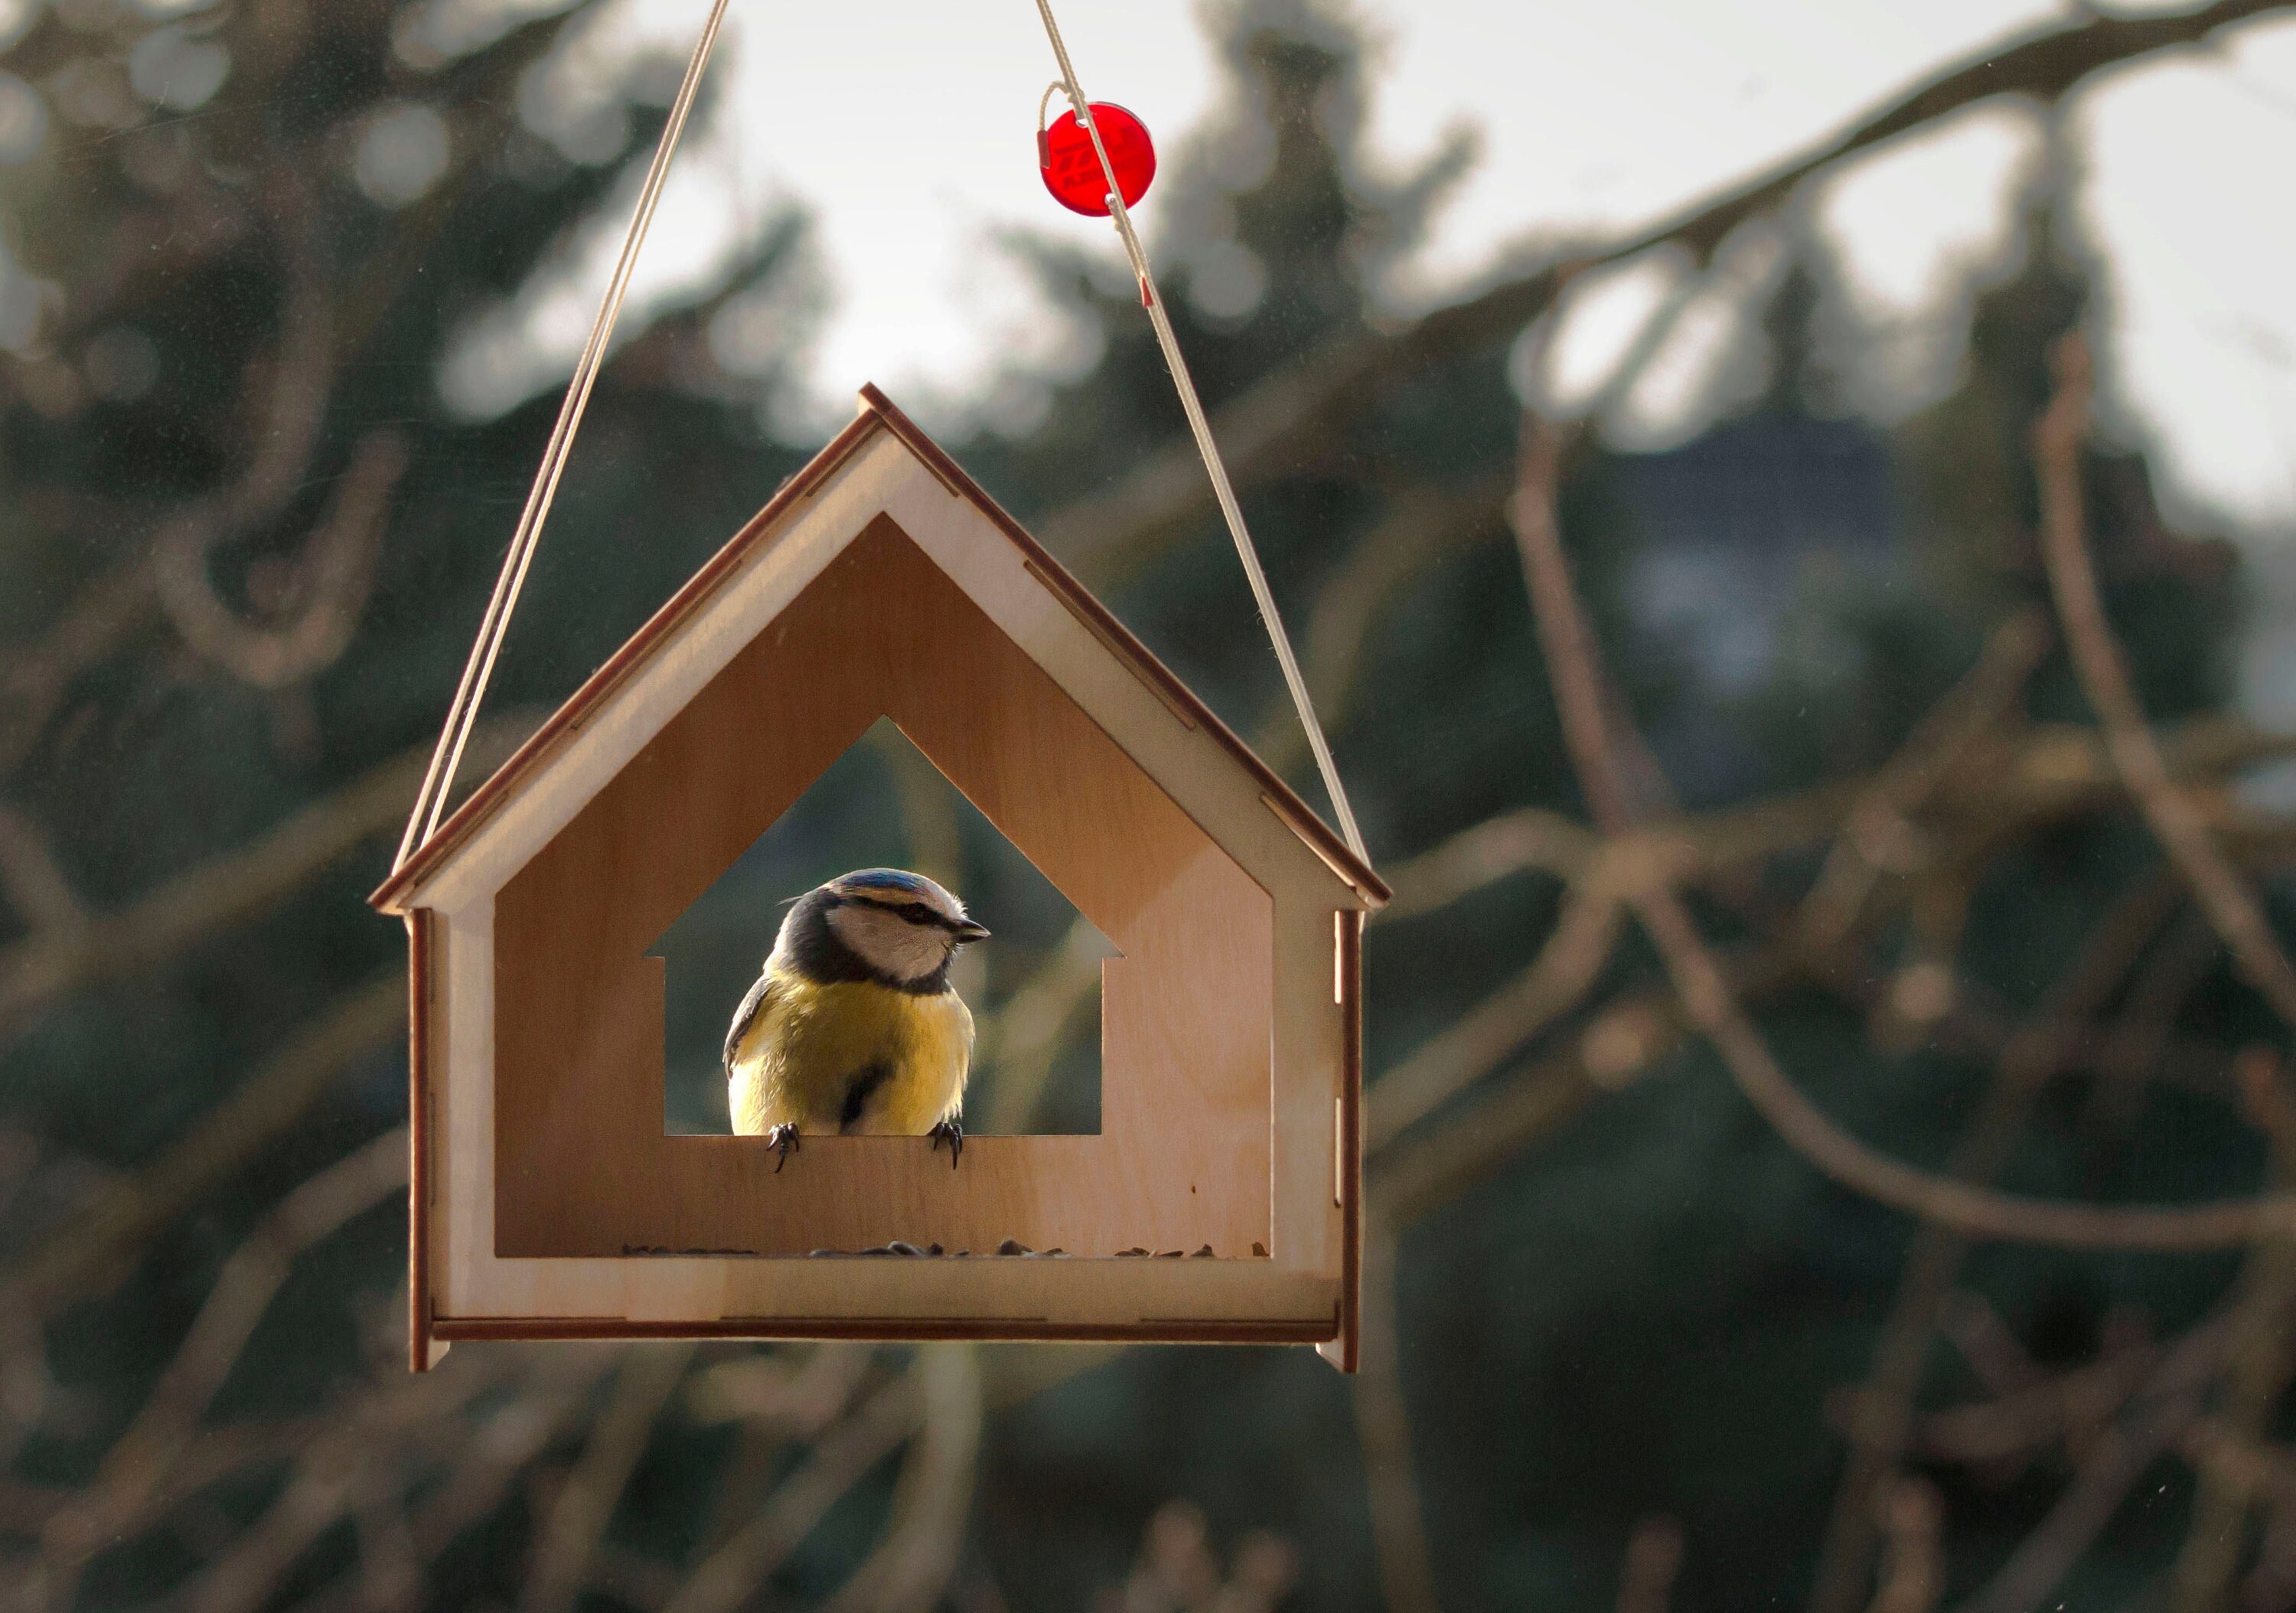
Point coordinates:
[[969, 930]]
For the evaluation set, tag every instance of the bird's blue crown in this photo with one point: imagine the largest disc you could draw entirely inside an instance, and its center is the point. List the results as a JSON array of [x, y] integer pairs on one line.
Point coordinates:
[[884, 879]]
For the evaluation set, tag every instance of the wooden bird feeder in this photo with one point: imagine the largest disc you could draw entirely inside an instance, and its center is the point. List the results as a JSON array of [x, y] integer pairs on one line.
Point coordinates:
[[547, 1201]]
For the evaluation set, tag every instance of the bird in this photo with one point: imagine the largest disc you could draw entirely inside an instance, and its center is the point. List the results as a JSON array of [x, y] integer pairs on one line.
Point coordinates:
[[853, 1026]]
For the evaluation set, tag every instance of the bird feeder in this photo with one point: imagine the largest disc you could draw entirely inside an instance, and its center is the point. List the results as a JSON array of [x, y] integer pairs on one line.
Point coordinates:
[[1220, 1200]]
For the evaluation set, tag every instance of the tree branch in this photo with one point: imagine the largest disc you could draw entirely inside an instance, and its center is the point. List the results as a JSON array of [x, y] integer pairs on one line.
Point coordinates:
[[2258, 1371], [932, 1498], [2104, 673], [106, 613], [2167, 1405], [726, 1579], [2039, 774], [1472, 1047], [1422, 528], [1884, 1418], [209, 898], [30, 879], [1646, 1572], [1270, 427], [585, 1501], [324, 596], [1707, 997], [141, 1459], [262, 1109], [1399, 1526]]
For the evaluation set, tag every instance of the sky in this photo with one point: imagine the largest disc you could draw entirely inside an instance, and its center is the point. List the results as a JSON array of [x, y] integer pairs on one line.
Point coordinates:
[[905, 127]]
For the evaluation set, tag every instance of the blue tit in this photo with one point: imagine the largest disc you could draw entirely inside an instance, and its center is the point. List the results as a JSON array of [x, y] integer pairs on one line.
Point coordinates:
[[853, 1026]]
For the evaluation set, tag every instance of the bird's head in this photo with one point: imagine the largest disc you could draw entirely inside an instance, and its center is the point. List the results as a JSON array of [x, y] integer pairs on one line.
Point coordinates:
[[903, 927]]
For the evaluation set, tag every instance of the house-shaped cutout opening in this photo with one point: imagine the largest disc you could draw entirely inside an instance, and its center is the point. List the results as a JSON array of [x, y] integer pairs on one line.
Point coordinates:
[[881, 583], [1033, 986]]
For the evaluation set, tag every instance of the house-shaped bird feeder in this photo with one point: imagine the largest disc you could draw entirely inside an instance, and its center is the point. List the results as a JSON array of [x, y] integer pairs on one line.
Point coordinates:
[[1219, 1202]]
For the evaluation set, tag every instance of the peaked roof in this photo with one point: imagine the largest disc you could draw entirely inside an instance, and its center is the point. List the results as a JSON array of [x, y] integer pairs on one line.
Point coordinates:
[[877, 414]]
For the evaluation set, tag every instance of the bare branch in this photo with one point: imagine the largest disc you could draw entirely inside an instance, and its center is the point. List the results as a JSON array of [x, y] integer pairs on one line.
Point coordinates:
[[2258, 1372], [1633, 1032], [1406, 1574], [936, 847], [2005, 783], [784, 1394], [218, 1453], [1025, 1037], [1876, 827], [1422, 529], [1971, 1210], [1574, 663], [1016, 1373], [1913, 1574], [2104, 673], [2015, 1427], [497, 1452], [1653, 1557], [1272, 426], [212, 897], [933, 1497], [390, 1568], [368, 1453], [585, 1501], [325, 593], [106, 613], [1177, 1570], [726, 1579], [144, 1456], [1988, 1346], [299, 366], [30, 879], [2169, 1405], [1884, 1416], [1472, 1047], [1526, 841], [259, 1112], [1639, 1030]]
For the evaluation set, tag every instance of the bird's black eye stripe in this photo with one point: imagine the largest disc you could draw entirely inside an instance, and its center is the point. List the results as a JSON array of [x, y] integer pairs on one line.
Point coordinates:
[[912, 912]]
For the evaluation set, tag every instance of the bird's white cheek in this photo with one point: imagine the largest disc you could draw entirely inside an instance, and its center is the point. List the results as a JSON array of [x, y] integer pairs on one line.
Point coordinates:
[[904, 950]]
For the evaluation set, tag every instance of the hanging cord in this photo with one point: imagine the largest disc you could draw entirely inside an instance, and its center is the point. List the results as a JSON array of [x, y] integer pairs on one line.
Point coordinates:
[[461, 715], [1194, 407]]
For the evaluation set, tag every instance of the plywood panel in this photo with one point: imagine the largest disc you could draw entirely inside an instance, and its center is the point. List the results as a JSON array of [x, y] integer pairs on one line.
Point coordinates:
[[1182, 1161], [1348, 927], [423, 974]]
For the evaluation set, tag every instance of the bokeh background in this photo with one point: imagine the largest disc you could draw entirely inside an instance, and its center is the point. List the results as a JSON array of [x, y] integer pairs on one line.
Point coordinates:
[[1786, 511]]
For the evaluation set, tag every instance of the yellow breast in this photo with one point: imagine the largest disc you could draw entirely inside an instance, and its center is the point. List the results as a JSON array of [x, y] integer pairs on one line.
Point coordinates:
[[851, 1057]]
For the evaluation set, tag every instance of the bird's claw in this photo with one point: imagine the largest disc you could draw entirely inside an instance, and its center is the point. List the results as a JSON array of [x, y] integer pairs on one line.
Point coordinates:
[[952, 1132], [783, 1141]]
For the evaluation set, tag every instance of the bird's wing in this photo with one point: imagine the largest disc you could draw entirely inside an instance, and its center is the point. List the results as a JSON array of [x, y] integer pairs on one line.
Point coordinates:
[[752, 1010], [964, 1017]]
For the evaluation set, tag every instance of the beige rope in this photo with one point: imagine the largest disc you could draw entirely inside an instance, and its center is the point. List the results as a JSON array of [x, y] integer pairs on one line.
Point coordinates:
[[437, 782], [1193, 409]]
